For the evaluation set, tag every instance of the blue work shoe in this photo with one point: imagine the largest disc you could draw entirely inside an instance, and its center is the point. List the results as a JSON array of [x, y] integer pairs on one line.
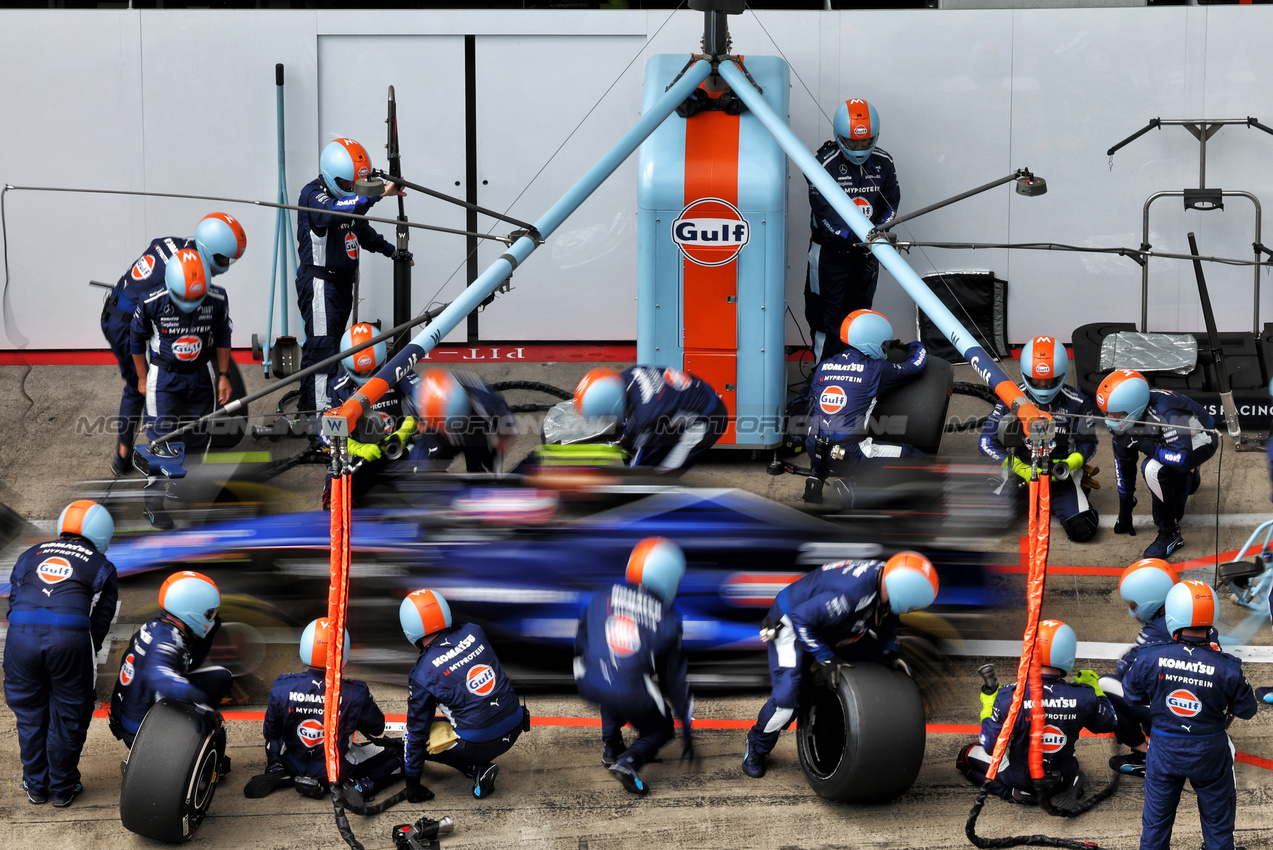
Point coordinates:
[[1167, 541], [121, 465], [36, 796], [484, 780], [609, 754], [624, 771], [159, 518], [63, 802], [1264, 695], [1129, 764], [753, 761]]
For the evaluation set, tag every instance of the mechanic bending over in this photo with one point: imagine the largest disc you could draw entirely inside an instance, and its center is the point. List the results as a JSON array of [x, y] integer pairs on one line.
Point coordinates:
[[388, 428], [173, 334], [1044, 365], [220, 239], [294, 738], [630, 662], [842, 394], [328, 247], [846, 611], [458, 674], [61, 602], [1193, 691], [460, 413], [1069, 707], [1167, 428], [164, 657], [667, 419]]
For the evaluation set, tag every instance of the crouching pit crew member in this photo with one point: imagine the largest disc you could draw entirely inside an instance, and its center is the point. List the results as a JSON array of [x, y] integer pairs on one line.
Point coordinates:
[[294, 737], [630, 662], [459, 413], [164, 658], [1193, 691], [220, 239], [457, 674], [843, 611], [1169, 429], [1069, 707], [1044, 365], [61, 602], [666, 419], [844, 391], [176, 328]]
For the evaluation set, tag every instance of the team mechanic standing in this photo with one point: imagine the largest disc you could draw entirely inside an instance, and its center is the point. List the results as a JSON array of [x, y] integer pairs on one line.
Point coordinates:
[[221, 240], [61, 604], [841, 278], [328, 247], [1044, 365], [175, 328], [1193, 691]]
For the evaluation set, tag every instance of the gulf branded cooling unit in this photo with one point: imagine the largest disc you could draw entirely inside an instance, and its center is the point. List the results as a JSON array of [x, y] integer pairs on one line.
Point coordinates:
[[712, 254]]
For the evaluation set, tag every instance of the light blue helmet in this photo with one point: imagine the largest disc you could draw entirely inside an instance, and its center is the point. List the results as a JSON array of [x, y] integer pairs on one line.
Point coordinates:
[[362, 364], [1190, 604], [1144, 587], [85, 518], [1123, 397], [601, 393], [658, 565], [314, 642], [186, 277], [192, 598], [910, 582], [221, 240], [341, 163], [422, 613], [1057, 645], [867, 331], [856, 122], [1044, 365]]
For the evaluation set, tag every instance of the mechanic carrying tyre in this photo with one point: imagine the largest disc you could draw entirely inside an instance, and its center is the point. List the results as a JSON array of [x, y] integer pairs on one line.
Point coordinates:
[[294, 736], [630, 662], [1069, 707], [61, 592], [458, 674], [1044, 365], [847, 611]]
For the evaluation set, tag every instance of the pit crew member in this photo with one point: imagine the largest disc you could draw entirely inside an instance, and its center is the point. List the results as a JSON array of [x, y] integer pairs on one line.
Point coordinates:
[[459, 413]]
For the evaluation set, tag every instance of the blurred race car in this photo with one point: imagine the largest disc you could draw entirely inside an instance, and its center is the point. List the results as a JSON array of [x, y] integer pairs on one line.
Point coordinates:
[[522, 561]]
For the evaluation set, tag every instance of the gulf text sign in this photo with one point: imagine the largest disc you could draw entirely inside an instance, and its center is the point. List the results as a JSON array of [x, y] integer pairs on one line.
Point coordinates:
[[710, 232]]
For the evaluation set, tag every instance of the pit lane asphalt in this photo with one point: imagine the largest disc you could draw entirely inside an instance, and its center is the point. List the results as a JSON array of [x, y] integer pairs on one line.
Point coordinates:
[[552, 791]]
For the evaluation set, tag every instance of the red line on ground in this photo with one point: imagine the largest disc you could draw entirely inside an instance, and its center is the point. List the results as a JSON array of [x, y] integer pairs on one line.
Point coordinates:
[[481, 353], [1258, 761]]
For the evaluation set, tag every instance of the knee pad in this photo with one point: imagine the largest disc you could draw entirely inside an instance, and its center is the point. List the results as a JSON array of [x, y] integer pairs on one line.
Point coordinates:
[[1082, 526]]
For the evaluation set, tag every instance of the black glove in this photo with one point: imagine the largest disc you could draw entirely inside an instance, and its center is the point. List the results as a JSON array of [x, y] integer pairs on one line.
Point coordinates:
[[1147, 446], [832, 670], [687, 749], [896, 662], [1124, 523], [264, 784], [417, 793]]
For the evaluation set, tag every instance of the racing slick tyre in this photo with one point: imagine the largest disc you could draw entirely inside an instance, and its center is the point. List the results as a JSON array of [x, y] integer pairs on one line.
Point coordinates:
[[861, 739], [920, 406], [171, 773]]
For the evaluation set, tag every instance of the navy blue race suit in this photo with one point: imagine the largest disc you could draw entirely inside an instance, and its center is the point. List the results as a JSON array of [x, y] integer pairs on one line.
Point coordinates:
[[294, 736], [162, 661], [328, 247], [841, 278], [183, 351], [1193, 690], [61, 603], [843, 393], [482, 437], [458, 674], [672, 419], [1069, 708], [398, 402], [117, 316], [630, 662], [1173, 455], [831, 613], [1070, 505]]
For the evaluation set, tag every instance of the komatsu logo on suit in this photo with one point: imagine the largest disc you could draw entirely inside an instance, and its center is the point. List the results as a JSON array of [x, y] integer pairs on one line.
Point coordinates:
[[451, 653], [710, 232]]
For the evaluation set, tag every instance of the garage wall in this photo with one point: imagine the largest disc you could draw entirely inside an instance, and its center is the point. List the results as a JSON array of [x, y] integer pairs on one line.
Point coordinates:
[[184, 102]]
